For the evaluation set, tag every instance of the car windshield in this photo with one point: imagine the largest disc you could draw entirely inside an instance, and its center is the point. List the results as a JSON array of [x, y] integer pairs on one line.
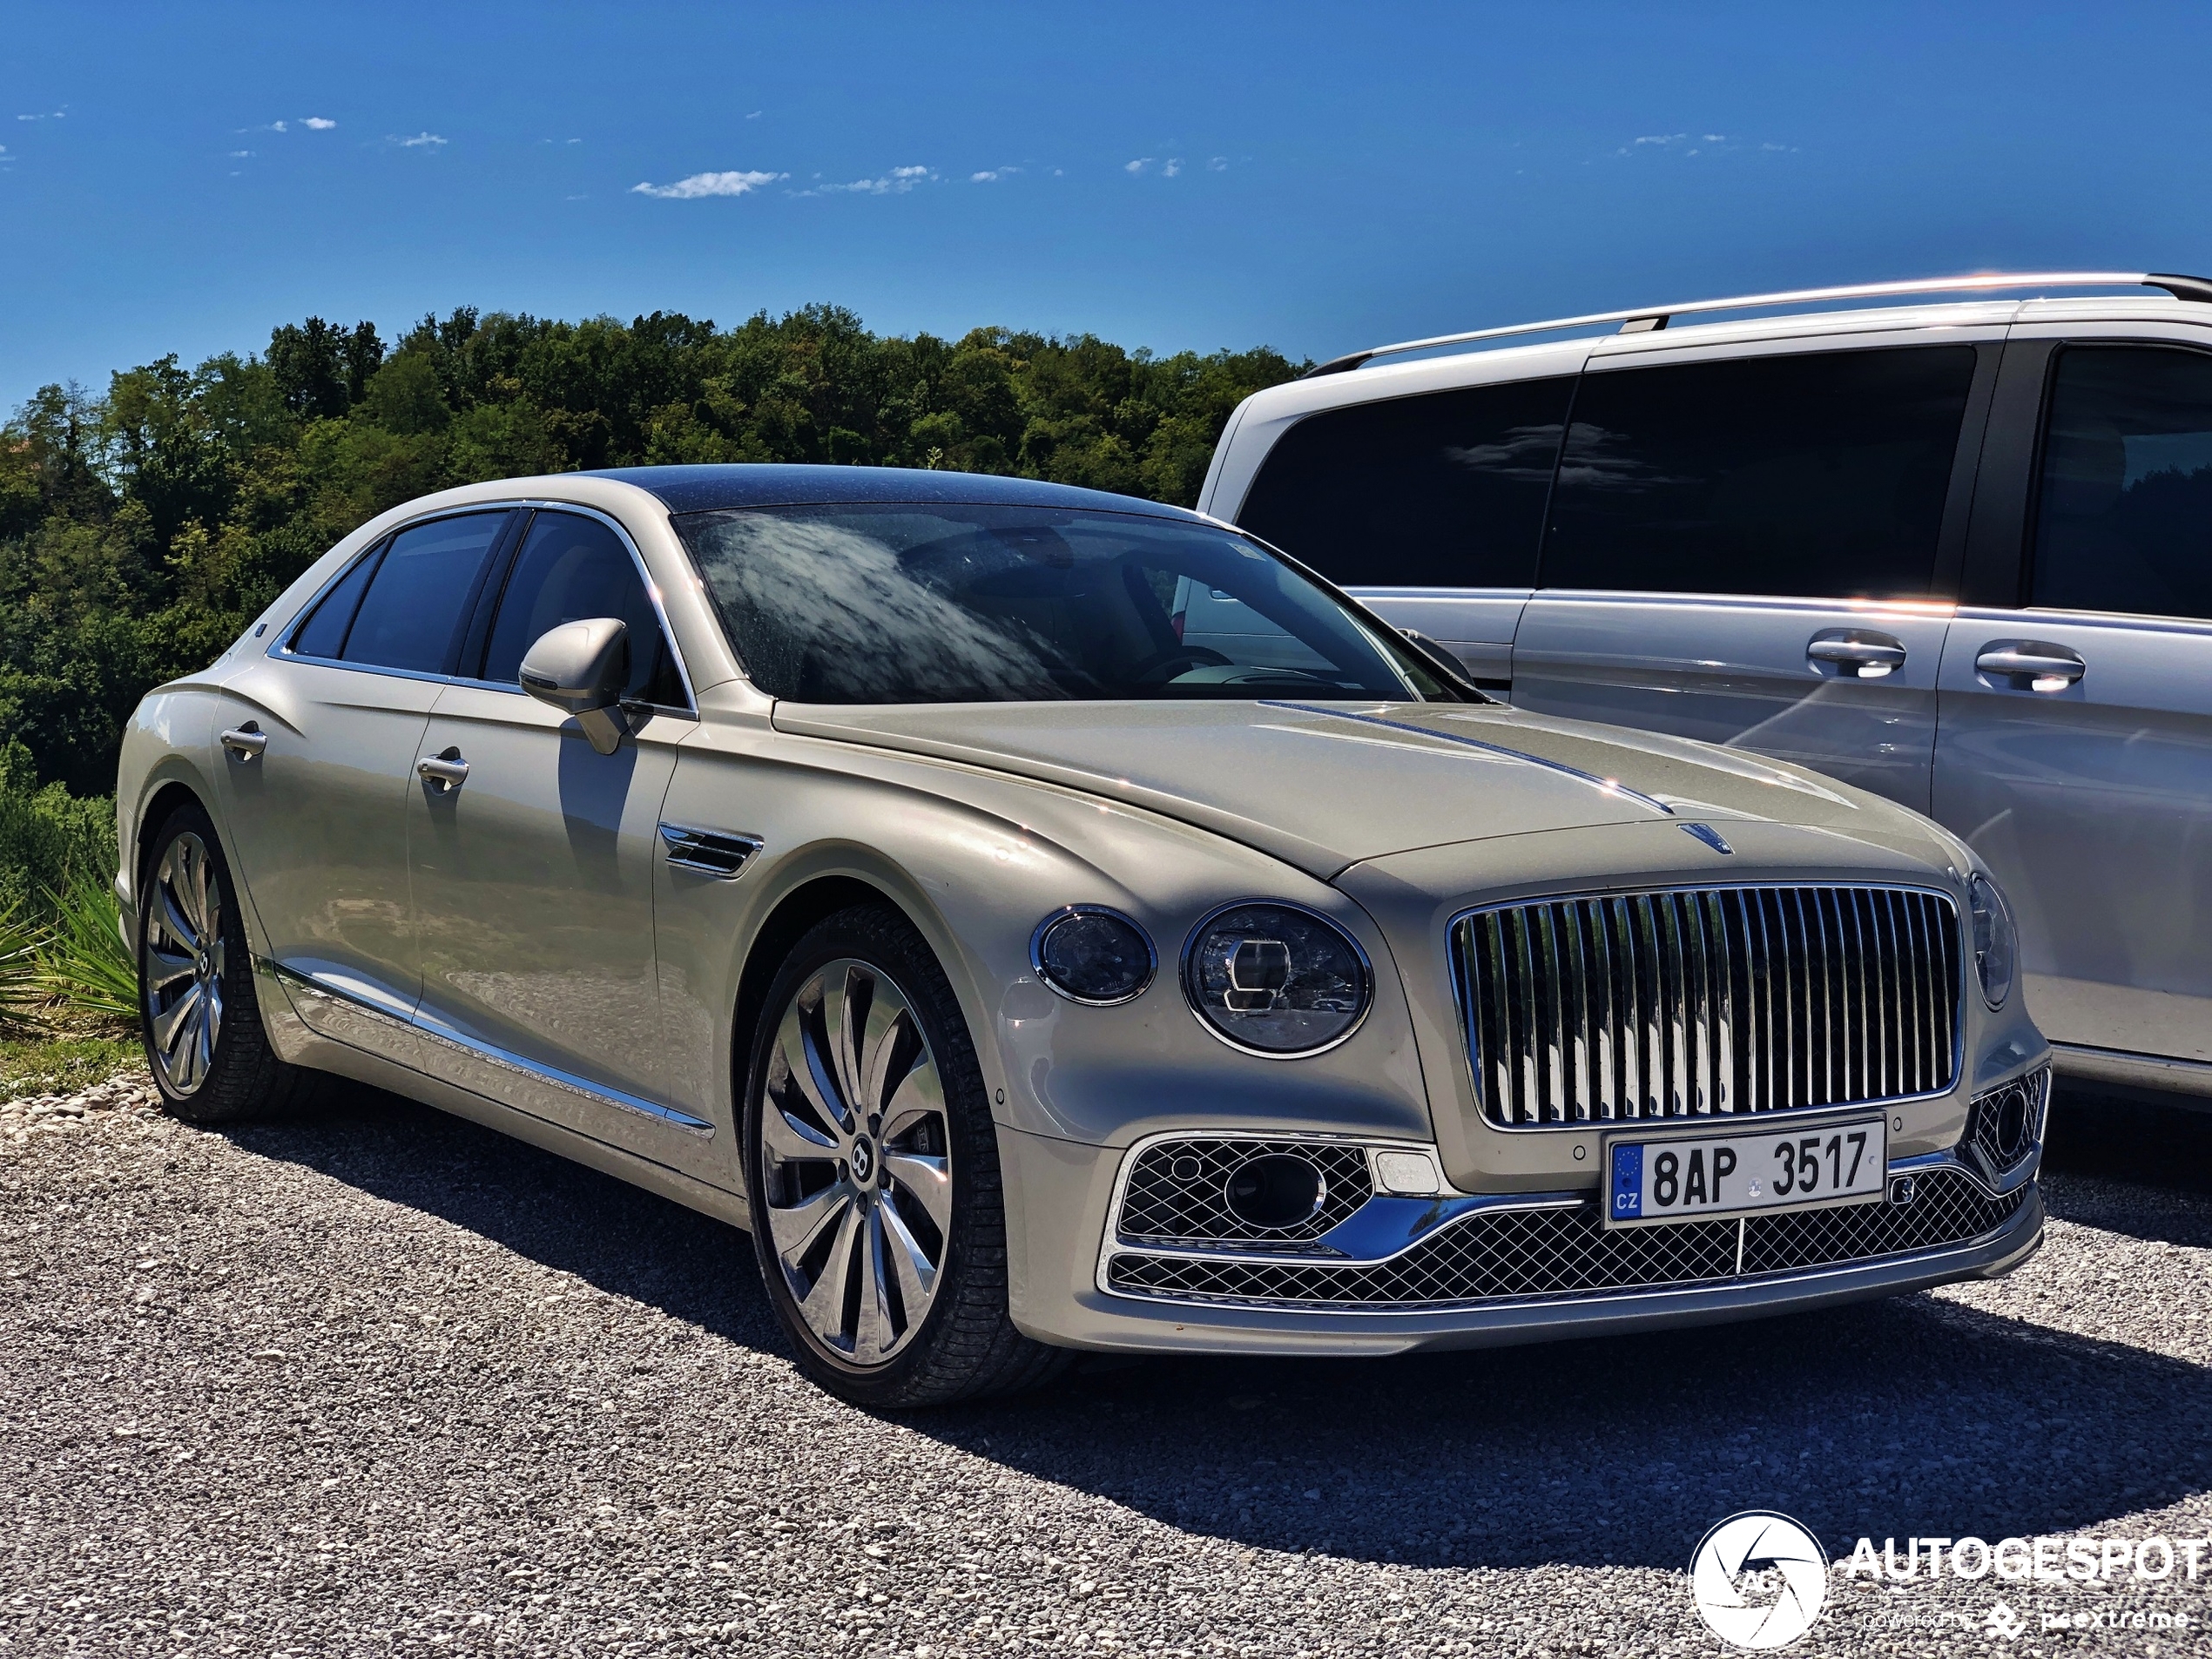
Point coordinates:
[[950, 603]]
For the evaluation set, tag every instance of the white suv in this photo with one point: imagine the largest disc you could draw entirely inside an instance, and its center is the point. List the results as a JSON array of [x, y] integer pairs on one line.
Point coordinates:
[[1960, 554]]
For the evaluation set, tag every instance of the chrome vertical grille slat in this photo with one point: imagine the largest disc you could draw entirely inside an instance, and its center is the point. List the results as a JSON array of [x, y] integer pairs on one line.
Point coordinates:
[[1708, 1001]]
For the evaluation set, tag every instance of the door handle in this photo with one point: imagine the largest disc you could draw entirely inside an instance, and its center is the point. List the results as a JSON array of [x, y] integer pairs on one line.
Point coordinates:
[[443, 772], [2045, 667], [245, 742], [1857, 653]]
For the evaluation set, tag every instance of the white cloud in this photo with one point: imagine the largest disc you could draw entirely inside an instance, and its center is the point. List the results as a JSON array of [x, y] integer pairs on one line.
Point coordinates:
[[1174, 167], [754, 115], [708, 184], [1217, 164], [50, 115], [1716, 137], [318, 123], [1668, 138], [239, 155], [276, 126], [897, 182], [1137, 165], [420, 141], [992, 175]]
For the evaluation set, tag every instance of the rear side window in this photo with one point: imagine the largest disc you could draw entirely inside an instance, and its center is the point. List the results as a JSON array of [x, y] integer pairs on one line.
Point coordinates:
[[1443, 490], [1818, 475], [323, 634], [419, 598], [573, 568], [2124, 514]]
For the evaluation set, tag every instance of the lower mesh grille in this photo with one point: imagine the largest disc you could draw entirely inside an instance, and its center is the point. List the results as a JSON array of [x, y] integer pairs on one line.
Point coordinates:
[[2004, 1125], [1567, 1252], [1176, 1188]]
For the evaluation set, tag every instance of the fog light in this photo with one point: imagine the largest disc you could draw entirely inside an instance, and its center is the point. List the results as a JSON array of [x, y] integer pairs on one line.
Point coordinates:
[[1276, 1191]]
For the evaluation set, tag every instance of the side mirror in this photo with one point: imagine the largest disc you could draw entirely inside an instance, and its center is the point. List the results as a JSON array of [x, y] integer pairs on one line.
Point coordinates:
[[580, 668]]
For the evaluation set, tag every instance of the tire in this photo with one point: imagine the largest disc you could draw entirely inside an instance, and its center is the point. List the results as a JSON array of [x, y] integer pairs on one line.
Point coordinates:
[[199, 1018], [878, 1213]]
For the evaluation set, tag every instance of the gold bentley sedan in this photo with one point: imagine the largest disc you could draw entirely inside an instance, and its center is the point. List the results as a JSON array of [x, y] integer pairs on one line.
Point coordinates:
[[1049, 922]]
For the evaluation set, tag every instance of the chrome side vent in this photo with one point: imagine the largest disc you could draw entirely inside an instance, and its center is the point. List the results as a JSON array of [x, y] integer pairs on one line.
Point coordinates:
[[1705, 1000], [715, 853]]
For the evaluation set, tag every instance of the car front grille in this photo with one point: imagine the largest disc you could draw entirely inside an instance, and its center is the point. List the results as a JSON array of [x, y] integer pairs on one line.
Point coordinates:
[[1566, 1251], [1677, 1004]]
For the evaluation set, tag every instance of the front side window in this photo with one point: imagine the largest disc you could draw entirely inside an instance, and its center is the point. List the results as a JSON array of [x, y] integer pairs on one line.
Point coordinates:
[[1446, 489], [2124, 511], [418, 600], [1816, 475], [573, 568], [950, 603]]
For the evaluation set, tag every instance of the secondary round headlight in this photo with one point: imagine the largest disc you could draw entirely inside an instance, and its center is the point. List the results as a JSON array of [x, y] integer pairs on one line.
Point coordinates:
[[1277, 979], [1091, 954], [1996, 944]]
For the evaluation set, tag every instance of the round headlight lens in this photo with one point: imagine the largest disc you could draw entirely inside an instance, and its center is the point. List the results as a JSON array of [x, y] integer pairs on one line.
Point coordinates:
[[1276, 978], [1090, 955], [1996, 944]]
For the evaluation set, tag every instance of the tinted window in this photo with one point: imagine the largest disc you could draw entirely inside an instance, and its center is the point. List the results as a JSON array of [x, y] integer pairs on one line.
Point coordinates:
[[419, 597], [323, 634], [2124, 521], [1819, 475], [1443, 490], [952, 603], [572, 569]]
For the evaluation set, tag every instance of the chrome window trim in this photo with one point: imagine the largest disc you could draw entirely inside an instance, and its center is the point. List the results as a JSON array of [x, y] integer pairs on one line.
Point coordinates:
[[279, 650], [504, 1060], [1366, 967], [1036, 954], [1473, 1062]]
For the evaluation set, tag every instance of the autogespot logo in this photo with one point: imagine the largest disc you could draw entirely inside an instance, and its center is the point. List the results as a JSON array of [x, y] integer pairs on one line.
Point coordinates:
[[1760, 1580]]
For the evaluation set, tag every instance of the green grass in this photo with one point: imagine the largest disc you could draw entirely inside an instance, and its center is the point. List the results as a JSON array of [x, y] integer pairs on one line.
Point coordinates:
[[63, 1062]]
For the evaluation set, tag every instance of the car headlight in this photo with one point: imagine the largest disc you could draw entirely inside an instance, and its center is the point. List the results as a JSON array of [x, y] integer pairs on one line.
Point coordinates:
[[1275, 978], [1089, 953], [1996, 943]]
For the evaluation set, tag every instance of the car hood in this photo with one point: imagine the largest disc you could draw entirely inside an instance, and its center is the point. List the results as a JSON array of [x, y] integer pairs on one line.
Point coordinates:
[[1325, 786]]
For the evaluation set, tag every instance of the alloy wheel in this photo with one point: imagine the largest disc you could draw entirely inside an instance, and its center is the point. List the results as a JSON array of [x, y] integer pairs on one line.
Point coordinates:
[[856, 1162], [183, 964]]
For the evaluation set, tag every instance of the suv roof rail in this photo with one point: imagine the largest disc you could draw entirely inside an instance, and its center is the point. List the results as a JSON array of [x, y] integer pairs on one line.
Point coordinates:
[[1644, 318]]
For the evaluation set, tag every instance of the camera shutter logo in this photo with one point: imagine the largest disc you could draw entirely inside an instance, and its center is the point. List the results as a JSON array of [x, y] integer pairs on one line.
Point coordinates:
[[1760, 1580]]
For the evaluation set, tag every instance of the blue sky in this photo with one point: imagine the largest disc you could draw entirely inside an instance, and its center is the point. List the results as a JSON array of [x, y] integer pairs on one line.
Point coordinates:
[[1313, 176]]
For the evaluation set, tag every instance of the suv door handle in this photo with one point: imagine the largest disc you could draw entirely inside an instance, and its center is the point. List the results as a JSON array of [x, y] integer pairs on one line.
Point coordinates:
[[2045, 667], [246, 742], [443, 772], [1860, 653]]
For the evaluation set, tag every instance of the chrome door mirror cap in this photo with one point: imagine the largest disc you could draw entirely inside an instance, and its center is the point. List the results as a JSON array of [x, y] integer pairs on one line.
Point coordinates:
[[579, 668]]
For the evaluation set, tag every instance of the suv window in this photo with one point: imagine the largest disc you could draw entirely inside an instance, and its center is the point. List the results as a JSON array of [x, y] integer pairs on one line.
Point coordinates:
[[2124, 513], [572, 569], [1817, 475], [419, 597], [1442, 490]]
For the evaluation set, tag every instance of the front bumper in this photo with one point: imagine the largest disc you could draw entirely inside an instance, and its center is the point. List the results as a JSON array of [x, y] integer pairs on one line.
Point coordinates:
[[1472, 1272]]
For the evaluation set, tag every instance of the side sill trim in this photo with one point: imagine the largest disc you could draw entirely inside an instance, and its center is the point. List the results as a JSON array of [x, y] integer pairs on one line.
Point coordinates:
[[596, 1094]]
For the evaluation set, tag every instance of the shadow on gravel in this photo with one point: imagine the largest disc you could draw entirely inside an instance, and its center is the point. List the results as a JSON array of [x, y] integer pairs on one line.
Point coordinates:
[[1911, 1417], [2149, 1166]]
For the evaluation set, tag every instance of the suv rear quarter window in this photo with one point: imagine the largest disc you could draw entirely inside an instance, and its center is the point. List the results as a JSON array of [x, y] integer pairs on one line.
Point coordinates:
[[1817, 475], [1446, 489]]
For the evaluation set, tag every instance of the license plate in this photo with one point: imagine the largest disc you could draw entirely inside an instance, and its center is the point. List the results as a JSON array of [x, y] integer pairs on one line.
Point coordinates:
[[1652, 1180]]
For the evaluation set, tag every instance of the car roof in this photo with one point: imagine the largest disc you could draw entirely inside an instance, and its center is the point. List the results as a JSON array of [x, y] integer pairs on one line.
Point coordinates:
[[705, 488]]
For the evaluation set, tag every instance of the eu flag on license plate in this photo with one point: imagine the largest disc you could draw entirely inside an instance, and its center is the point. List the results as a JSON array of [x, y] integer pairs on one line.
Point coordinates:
[[1627, 1182]]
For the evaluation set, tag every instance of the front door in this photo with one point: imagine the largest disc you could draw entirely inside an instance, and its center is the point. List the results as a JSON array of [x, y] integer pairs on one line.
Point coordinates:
[[2075, 753], [1758, 551], [533, 861], [321, 738]]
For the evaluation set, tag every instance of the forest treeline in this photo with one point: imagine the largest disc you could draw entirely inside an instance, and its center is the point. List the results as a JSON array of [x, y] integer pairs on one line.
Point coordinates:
[[141, 527]]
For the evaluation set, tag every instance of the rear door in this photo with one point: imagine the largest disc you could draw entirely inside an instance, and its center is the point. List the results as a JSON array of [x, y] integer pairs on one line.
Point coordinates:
[[321, 738], [1427, 507], [1760, 548], [2075, 753]]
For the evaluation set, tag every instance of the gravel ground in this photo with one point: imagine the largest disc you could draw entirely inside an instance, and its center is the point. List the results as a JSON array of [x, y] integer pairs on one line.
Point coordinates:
[[378, 1381]]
